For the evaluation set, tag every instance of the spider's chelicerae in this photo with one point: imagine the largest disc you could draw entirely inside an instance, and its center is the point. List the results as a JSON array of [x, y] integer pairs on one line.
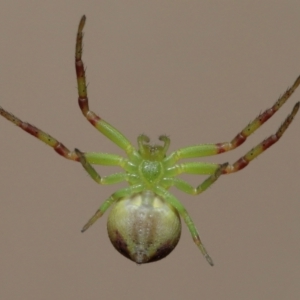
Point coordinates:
[[144, 223]]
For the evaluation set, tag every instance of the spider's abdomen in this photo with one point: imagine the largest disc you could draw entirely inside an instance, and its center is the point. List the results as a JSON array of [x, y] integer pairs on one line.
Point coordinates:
[[144, 228]]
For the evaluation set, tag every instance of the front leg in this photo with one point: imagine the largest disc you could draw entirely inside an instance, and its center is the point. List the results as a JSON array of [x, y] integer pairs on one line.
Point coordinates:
[[240, 138], [58, 147], [263, 146], [105, 128]]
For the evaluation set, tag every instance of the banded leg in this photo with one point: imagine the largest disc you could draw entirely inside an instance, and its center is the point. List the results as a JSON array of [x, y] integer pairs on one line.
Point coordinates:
[[187, 188], [187, 219], [106, 129], [61, 149], [213, 149], [264, 145], [41, 135], [125, 192]]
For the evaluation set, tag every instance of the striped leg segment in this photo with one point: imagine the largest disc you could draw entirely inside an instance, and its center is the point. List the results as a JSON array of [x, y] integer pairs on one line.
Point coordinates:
[[41, 135], [260, 120], [213, 149], [109, 131], [264, 145]]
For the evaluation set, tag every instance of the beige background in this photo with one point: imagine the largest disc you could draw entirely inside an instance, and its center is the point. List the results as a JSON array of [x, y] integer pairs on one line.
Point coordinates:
[[198, 71]]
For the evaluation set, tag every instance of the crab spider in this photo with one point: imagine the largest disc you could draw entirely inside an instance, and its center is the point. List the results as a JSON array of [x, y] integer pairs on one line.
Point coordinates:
[[144, 223]]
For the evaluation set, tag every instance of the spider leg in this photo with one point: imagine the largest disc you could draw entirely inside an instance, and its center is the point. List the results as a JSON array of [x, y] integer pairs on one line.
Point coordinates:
[[199, 168], [187, 188], [125, 192], [106, 129], [105, 159], [91, 157], [41, 135], [187, 219], [240, 138], [111, 179], [264, 145]]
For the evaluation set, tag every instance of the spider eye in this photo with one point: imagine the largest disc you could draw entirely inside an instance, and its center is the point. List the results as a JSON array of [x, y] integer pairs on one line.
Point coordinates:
[[144, 228]]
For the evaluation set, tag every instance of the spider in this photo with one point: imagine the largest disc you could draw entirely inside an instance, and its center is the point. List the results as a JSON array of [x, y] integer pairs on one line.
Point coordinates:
[[144, 223]]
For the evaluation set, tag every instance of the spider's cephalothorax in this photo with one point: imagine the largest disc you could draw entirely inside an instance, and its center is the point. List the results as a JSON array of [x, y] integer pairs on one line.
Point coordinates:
[[144, 223]]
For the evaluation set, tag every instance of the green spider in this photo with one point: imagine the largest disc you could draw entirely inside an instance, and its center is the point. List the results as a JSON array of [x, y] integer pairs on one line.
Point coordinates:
[[144, 223]]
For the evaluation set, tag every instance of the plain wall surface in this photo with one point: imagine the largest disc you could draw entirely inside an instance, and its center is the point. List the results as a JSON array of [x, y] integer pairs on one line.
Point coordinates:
[[197, 71]]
